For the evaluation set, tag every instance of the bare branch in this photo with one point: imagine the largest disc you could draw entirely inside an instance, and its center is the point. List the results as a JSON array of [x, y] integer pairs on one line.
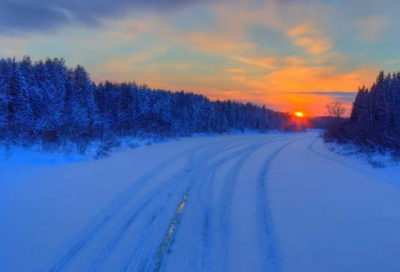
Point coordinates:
[[335, 109]]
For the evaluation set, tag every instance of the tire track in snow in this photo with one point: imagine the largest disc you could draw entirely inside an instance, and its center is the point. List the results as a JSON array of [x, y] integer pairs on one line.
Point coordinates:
[[172, 186], [206, 227], [267, 232], [125, 198], [75, 249], [114, 207], [227, 198], [206, 175], [112, 210], [119, 235], [180, 176], [206, 222], [228, 190], [209, 170], [203, 159]]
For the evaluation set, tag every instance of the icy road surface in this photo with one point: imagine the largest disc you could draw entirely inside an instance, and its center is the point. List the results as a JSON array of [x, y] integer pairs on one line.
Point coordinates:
[[242, 203]]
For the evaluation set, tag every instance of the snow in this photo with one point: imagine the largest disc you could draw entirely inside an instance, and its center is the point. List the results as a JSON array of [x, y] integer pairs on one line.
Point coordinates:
[[270, 202]]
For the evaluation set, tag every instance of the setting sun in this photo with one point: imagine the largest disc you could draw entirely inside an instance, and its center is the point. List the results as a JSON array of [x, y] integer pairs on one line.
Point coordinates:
[[299, 114]]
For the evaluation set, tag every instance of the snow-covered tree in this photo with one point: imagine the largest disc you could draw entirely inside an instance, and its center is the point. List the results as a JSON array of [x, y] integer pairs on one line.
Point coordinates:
[[47, 102], [375, 116]]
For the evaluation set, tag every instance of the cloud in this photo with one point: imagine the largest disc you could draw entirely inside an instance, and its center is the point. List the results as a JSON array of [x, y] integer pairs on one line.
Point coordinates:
[[328, 93], [281, 53], [314, 46], [265, 62], [309, 37], [294, 61], [306, 88], [301, 30], [342, 96], [213, 44], [24, 16]]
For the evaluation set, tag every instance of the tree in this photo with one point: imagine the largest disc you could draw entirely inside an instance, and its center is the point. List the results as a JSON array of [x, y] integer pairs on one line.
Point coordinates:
[[4, 100], [18, 107], [83, 106], [375, 117], [48, 103], [335, 109]]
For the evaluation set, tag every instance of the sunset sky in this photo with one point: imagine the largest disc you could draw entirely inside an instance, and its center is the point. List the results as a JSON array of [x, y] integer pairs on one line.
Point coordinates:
[[292, 55]]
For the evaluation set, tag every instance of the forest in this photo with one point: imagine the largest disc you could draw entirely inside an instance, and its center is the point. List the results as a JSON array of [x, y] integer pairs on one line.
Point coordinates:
[[48, 104], [374, 123]]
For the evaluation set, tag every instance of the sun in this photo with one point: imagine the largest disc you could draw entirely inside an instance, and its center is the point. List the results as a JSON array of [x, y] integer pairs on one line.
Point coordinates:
[[299, 114]]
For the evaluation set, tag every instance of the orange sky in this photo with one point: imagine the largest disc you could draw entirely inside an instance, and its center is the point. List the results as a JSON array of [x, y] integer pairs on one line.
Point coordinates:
[[289, 55]]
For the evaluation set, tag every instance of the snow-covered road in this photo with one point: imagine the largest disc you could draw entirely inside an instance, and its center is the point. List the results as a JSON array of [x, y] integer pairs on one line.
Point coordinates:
[[277, 202]]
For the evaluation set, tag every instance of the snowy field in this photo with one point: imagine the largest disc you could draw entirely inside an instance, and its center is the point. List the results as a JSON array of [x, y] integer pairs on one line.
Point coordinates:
[[277, 202]]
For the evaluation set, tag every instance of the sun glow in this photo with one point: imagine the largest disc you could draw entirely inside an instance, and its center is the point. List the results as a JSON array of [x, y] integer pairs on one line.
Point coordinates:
[[299, 114]]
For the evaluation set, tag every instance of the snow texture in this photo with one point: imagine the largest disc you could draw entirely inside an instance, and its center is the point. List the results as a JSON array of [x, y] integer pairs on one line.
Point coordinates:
[[275, 202]]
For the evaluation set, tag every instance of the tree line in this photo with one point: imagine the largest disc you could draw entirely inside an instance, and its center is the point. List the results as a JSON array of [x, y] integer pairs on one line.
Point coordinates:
[[48, 103], [374, 122]]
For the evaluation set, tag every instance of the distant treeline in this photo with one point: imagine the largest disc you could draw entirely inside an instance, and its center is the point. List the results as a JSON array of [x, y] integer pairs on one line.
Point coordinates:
[[48, 103], [374, 123], [323, 122]]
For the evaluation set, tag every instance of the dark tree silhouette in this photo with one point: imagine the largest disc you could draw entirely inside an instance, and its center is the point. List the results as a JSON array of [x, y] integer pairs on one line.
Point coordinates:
[[374, 122], [335, 109]]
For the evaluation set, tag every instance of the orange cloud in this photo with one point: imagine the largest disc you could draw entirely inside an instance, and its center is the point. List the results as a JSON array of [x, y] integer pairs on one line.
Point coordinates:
[[248, 71], [332, 58], [314, 46], [319, 78], [216, 45], [305, 88], [306, 36], [265, 62], [301, 30], [294, 61]]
